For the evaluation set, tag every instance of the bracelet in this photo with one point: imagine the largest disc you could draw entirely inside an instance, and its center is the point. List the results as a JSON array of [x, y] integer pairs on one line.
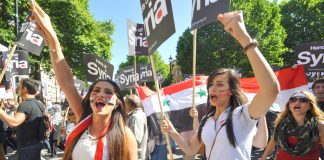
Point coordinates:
[[56, 50], [254, 43]]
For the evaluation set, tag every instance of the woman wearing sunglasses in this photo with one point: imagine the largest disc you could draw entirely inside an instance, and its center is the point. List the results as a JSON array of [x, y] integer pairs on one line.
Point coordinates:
[[299, 130]]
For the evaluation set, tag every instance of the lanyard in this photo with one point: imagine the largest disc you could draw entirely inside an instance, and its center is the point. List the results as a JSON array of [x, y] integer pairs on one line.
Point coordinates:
[[222, 125]]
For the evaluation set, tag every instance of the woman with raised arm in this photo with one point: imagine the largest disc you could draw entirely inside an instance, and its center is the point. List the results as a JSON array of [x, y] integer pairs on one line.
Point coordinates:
[[299, 130], [228, 128], [101, 132]]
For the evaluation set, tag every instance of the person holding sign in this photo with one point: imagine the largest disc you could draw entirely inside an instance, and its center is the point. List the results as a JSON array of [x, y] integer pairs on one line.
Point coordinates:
[[228, 128], [101, 132]]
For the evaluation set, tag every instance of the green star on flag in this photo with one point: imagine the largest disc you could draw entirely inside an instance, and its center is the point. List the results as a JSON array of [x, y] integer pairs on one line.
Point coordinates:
[[166, 102], [202, 93]]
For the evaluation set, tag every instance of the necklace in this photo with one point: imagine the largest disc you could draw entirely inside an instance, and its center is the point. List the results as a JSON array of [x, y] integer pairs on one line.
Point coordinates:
[[90, 136], [93, 137]]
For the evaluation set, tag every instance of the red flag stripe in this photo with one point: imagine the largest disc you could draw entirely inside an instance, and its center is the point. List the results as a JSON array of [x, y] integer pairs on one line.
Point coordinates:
[[145, 92], [288, 78], [200, 80]]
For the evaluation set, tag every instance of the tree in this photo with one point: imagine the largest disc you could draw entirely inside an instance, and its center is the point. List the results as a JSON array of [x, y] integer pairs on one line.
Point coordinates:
[[216, 48], [7, 17], [304, 22], [159, 66], [76, 29]]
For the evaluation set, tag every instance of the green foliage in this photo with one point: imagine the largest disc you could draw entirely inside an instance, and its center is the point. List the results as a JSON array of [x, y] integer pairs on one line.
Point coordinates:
[[7, 19], [216, 48], [159, 66], [77, 31], [304, 22]]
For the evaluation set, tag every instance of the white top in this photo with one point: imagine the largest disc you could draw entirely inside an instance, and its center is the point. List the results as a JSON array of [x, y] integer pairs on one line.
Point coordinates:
[[244, 129], [85, 148]]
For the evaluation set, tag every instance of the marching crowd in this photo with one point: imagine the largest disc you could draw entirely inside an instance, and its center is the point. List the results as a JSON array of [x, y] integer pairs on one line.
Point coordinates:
[[105, 125]]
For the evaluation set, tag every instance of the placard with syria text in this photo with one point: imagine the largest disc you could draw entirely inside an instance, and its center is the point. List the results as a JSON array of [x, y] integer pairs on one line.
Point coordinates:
[[97, 67], [30, 39], [158, 22], [137, 43], [205, 11], [311, 55]]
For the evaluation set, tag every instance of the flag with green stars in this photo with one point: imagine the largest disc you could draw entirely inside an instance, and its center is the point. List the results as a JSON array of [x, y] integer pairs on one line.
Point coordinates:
[[174, 97]]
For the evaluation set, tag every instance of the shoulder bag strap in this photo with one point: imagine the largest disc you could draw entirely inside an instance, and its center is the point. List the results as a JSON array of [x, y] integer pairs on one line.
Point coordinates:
[[41, 108], [215, 140]]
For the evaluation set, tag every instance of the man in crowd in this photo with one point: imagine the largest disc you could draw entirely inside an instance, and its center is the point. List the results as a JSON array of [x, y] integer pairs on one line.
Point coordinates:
[[136, 121], [318, 90], [26, 120]]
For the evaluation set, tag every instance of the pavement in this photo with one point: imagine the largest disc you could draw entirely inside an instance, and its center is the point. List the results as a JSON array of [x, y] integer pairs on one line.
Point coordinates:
[[12, 155], [177, 154]]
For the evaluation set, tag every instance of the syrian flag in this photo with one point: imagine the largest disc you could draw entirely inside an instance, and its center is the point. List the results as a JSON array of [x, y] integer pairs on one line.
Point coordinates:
[[177, 98], [291, 80], [177, 101]]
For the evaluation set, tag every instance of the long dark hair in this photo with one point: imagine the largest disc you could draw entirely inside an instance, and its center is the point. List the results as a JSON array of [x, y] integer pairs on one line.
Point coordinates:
[[237, 99], [116, 138]]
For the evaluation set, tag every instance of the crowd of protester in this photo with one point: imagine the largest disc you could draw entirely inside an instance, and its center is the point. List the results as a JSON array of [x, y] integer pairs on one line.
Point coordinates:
[[105, 125]]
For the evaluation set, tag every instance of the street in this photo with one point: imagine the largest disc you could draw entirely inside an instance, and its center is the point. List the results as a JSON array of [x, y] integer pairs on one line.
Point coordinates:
[[177, 155], [45, 156]]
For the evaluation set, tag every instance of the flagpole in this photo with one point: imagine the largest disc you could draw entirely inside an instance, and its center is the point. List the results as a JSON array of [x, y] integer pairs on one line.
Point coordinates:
[[14, 96], [194, 66], [161, 108], [8, 61], [194, 55], [134, 70]]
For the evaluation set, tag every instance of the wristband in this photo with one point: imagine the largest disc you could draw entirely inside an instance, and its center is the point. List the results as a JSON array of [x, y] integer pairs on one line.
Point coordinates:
[[55, 50], [254, 43]]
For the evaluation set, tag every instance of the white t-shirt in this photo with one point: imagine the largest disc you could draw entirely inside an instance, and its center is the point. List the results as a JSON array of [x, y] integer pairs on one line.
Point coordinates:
[[85, 148], [244, 129]]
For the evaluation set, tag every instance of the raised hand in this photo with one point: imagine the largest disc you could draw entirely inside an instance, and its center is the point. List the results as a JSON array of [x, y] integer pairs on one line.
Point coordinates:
[[193, 112], [234, 24], [166, 126], [42, 21]]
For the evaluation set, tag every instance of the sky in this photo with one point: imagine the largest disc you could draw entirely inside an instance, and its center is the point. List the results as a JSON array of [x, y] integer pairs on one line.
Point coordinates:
[[119, 11]]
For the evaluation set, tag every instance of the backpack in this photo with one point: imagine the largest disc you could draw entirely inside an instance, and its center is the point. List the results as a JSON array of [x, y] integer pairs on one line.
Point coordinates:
[[43, 130]]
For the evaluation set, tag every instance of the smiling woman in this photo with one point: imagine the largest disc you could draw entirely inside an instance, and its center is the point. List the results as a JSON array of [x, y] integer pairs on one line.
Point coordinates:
[[101, 132]]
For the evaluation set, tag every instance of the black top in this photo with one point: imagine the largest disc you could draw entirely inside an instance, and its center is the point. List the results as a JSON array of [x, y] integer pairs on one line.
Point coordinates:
[[27, 131]]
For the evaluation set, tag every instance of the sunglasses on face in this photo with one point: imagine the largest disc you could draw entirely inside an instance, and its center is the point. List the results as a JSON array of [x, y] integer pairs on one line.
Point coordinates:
[[301, 100]]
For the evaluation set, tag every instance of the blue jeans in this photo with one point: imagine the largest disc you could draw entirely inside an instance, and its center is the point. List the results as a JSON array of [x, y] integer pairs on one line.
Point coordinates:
[[173, 144], [47, 145], [31, 152], [160, 152]]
